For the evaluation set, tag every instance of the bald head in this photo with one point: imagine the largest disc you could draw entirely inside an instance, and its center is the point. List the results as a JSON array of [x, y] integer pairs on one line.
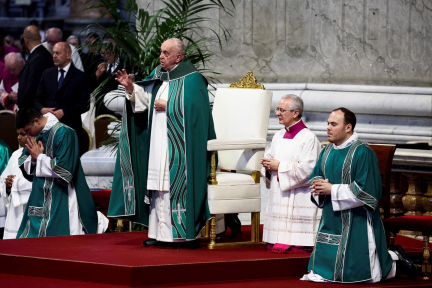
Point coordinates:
[[14, 63], [62, 54], [31, 33]]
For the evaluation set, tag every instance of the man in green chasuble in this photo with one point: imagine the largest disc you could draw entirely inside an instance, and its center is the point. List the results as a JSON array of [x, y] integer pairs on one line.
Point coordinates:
[[346, 183], [162, 165], [60, 202]]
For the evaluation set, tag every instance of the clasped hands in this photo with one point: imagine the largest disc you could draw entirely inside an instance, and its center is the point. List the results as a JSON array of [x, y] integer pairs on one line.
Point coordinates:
[[125, 79], [9, 180], [270, 164], [57, 113], [35, 149], [321, 187]]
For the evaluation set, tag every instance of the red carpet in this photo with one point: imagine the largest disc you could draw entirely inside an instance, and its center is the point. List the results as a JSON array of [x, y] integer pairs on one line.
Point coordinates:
[[120, 260]]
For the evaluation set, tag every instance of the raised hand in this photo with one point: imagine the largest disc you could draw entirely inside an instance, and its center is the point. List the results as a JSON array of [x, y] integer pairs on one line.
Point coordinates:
[[125, 79], [35, 149], [101, 69]]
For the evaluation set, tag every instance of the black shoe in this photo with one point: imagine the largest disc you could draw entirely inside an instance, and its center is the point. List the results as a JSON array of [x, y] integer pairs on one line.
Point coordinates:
[[150, 242], [404, 266], [194, 244], [233, 222]]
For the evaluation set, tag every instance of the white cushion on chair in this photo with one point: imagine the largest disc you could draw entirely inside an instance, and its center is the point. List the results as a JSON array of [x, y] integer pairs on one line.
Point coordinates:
[[235, 193], [234, 179], [235, 144]]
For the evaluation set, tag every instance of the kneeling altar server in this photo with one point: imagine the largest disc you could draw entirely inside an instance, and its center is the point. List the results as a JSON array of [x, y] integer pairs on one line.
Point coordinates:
[[346, 183], [60, 202]]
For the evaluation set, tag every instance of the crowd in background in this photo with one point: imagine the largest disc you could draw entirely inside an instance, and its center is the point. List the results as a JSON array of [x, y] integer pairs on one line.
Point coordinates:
[[97, 67]]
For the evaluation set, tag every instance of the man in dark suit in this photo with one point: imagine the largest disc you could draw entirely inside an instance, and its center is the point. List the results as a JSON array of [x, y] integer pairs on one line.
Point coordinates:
[[63, 91], [38, 61]]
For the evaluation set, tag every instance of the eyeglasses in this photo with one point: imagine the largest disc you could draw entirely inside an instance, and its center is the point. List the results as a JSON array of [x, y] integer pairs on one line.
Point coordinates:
[[282, 111]]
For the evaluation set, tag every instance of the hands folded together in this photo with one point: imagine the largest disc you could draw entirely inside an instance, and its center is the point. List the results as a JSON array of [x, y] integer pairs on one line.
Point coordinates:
[[321, 187]]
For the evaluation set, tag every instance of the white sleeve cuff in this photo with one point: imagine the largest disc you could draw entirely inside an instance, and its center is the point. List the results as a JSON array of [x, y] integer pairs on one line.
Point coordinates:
[[140, 98], [29, 165], [343, 199], [43, 167]]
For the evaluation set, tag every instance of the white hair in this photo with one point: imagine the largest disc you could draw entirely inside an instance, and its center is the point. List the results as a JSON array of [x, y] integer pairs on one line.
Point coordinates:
[[181, 47], [14, 56], [59, 32], [296, 103]]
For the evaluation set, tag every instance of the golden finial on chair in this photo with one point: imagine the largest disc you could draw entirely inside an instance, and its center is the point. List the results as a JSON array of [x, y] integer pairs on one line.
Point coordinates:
[[248, 81]]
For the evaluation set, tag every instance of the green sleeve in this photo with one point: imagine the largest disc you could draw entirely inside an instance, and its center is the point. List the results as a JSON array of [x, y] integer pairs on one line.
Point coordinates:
[[366, 178], [317, 171], [65, 153], [5, 153]]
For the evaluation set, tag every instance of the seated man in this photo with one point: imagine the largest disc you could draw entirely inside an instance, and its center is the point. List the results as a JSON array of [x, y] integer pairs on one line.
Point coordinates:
[[346, 183], [60, 202], [15, 190], [291, 219], [9, 80]]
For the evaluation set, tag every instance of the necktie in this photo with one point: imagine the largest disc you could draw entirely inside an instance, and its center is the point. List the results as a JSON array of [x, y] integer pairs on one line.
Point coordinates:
[[60, 81], [109, 69]]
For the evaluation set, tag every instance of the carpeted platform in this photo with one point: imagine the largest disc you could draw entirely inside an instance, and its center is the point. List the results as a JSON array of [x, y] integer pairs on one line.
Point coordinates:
[[120, 260]]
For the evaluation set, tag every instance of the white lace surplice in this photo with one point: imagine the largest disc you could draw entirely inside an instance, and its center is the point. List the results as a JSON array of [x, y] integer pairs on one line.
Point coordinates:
[[290, 217]]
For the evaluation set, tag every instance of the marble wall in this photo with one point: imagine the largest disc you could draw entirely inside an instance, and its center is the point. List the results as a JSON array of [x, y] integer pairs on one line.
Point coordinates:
[[373, 42]]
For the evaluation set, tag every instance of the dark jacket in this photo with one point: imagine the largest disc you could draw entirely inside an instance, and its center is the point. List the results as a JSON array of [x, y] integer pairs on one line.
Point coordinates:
[[38, 61], [73, 96]]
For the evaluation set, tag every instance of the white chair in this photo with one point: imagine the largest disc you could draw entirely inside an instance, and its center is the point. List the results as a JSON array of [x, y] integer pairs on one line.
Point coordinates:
[[241, 118]]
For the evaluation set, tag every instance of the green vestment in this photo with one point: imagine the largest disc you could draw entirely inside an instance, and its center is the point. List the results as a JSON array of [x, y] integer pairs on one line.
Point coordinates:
[[341, 251], [189, 126], [5, 153], [47, 210]]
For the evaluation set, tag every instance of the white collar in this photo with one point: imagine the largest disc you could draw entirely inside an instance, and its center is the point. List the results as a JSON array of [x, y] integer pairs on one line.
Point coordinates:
[[51, 121], [34, 48], [288, 128], [66, 68], [347, 143]]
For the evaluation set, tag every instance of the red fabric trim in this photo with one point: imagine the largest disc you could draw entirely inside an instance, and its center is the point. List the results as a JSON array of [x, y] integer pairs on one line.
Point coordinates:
[[412, 223], [277, 171]]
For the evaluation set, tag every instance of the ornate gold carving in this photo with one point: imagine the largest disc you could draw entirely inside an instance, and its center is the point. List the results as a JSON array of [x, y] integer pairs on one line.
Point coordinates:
[[426, 265], [248, 81], [395, 196], [413, 200], [212, 244], [212, 180], [427, 197], [255, 229]]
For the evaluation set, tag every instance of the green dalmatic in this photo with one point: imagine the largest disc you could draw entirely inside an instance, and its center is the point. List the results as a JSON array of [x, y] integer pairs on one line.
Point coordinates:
[[341, 251]]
